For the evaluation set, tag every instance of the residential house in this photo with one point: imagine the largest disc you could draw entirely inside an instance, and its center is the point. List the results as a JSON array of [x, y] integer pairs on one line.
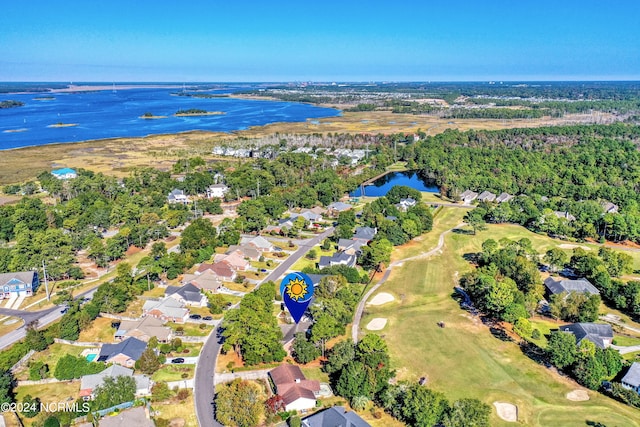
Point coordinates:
[[19, 283], [143, 330], [187, 294], [609, 207], [125, 353], [64, 173], [178, 196], [468, 196], [165, 309], [405, 204], [366, 234], [206, 281], [504, 197], [631, 379], [217, 190], [334, 417], [223, 270], [138, 417], [335, 208], [258, 242], [558, 286], [235, 259], [486, 196], [308, 214], [88, 383], [339, 258], [565, 215], [245, 251], [600, 334], [297, 392], [351, 246]]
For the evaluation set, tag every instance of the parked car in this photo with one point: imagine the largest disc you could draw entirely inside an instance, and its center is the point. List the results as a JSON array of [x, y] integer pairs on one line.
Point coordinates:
[[178, 360], [264, 270], [277, 249], [195, 317], [64, 310], [207, 318]]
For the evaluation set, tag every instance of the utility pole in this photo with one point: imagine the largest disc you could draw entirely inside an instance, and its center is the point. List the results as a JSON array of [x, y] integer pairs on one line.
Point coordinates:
[[258, 187], [46, 282]]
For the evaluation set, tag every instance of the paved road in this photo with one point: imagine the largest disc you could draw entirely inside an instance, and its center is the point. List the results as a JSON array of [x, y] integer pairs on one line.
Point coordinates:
[[355, 328], [43, 317], [203, 391]]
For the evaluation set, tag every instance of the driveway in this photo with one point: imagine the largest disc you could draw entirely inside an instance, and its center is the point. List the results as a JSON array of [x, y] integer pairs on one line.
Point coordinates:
[[187, 360]]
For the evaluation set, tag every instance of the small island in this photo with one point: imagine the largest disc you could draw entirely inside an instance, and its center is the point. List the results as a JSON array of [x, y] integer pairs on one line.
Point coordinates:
[[151, 116], [11, 104], [197, 112], [62, 125]]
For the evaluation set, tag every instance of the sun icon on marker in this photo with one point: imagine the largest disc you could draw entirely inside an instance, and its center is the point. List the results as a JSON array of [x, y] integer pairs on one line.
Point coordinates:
[[296, 289]]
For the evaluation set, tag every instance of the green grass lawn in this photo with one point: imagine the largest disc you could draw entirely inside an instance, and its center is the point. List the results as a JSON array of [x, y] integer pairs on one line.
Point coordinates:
[[50, 356], [464, 359], [625, 341], [174, 372], [306, 262], [194, 350], [191, 329]]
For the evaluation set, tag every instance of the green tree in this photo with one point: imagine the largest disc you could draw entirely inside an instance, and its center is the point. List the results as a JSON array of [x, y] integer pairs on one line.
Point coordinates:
[[160, 391], [199, 234], [148, 362], [217, 303], [562, 349], [303, 350], [31, 406], [69, 327], [422, 407], [114, 391], [376, 254], [467, 413], [475, 219], [523, 327], [35, 339], [7, 383], [239, 403], [556, 258], [340, 355]]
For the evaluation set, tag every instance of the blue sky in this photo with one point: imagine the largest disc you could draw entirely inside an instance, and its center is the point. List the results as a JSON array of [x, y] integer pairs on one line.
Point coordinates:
[[198, 40]]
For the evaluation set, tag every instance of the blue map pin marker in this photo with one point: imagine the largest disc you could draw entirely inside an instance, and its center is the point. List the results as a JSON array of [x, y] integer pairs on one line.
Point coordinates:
[[296, 290]]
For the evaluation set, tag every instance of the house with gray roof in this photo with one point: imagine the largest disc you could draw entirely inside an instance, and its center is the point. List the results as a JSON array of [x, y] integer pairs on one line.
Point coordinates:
[[339, 258], [125, 353], [206, 281], [504, 197], [138, 417], [405, 204], [558, 286], [188, 294], [19, 283], [598, 333], [88, 383], [178, 196], [486, 196], [143, 329], [258, 242], [564, 215], [365, 234], [609, 207], [165, 309], [631, 379], [351, 246], [468, 196], [333, 417], [335, 208]]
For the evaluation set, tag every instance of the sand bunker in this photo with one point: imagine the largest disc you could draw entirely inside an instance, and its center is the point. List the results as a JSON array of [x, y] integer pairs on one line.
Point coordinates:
[[570, 246], [578, 395], [507, 411], [381, 298], [376, 324]]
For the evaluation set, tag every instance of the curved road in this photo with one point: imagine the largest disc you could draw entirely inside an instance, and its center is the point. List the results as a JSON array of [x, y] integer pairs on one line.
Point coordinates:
[[355, 328], [203, 389]]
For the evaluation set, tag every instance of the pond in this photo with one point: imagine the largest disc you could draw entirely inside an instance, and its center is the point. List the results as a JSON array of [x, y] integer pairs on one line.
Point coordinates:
[[381, 186]]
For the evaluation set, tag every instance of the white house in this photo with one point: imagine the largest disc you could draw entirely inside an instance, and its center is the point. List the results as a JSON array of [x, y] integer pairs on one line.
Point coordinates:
[[217, 190], [178, 196]]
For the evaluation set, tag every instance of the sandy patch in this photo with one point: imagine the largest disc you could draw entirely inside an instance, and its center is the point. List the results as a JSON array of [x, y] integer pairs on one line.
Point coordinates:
[[507, 411], [578, 395], [381, 298], [377, 324], [570, 246]]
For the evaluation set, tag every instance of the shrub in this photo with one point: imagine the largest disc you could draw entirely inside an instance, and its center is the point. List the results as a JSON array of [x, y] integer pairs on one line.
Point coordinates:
[[536, 334]]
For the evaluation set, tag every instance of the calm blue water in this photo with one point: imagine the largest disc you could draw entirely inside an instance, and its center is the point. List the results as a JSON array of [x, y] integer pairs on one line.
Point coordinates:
[[381, 186], [109, 114]]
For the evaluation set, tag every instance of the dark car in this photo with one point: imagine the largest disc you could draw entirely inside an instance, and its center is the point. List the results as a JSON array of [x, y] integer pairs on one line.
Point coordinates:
[[177, 360], [195, 317], [207, 318], [277, 249]]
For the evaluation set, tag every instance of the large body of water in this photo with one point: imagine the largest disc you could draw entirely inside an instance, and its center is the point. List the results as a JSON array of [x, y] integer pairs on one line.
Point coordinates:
[[382, 185], [110, 114]]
